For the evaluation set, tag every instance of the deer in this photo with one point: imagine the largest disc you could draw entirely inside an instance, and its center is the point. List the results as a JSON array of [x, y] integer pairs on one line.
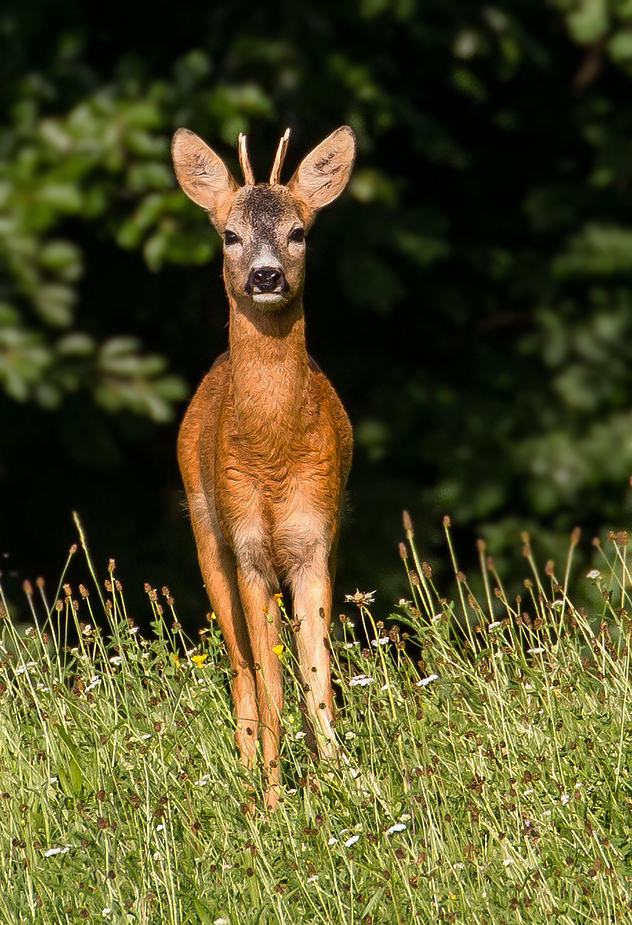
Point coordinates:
[[265, 445]]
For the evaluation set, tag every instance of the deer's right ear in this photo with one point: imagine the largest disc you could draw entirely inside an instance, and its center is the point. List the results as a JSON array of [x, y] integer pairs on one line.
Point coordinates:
[[323, 174], [203, 176]]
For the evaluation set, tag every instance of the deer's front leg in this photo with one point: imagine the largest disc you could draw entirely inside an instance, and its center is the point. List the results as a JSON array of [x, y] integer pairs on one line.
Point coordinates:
[[263, 619], [311, 588]]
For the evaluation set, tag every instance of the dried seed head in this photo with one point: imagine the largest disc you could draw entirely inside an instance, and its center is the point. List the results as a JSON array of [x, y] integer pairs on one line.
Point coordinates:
[[446, 521], [480, 545], [575, 536], [403, 552], [27, 587], [408, 524], [426, 570]]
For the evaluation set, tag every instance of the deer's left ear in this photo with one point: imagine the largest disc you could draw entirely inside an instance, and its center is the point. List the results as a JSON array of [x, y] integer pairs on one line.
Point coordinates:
[[203, 176], [323, 174]]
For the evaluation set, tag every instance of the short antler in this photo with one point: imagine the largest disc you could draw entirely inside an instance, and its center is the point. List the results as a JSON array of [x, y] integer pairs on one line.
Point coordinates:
[[280, 157], [244, 162]]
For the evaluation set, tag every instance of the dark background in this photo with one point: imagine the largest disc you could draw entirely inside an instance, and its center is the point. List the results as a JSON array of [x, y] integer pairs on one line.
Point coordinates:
[[469, 296]]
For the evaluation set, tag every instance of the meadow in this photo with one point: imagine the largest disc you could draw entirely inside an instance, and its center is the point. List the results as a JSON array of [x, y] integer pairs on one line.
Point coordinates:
[[485, 771]]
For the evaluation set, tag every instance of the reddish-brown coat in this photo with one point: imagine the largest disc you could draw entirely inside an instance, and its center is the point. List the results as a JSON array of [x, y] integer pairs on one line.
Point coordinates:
[[265, 445]]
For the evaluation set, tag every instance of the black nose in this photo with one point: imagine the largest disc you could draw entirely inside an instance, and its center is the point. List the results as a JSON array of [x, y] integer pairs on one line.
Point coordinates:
[[265, 279]]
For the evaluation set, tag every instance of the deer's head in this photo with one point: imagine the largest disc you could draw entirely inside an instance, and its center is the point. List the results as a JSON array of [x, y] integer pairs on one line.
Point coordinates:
[[264, 225]]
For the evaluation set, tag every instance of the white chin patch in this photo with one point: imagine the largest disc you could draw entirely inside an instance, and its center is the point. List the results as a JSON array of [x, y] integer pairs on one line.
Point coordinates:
[[269, 298]]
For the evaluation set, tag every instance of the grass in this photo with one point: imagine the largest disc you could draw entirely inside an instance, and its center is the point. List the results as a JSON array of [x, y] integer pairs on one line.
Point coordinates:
[[487, 776]]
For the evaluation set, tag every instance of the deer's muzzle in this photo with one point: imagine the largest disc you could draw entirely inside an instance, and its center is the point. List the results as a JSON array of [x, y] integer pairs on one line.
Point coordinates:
[[266, 279]]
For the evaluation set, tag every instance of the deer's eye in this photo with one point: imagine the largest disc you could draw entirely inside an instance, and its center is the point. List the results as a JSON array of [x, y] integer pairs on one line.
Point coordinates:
[[230, 238], [298, 235]]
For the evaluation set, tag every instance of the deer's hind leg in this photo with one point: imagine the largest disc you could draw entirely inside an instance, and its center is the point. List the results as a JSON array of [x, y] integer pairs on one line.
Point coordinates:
[[219, 572]]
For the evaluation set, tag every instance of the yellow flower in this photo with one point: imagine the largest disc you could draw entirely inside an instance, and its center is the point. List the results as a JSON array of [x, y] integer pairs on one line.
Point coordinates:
[[278, 598], [278, 650], [199, 659]]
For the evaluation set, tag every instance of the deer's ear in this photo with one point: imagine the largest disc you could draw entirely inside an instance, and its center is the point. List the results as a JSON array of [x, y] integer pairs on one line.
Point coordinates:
[[203, 176], [323, 174]]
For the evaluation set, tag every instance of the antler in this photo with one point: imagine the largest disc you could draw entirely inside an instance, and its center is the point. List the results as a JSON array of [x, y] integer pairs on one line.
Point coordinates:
[[280, 157], [244, 162]]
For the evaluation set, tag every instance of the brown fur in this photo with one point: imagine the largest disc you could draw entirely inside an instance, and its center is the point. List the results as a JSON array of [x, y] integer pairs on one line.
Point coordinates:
[[265, 445]]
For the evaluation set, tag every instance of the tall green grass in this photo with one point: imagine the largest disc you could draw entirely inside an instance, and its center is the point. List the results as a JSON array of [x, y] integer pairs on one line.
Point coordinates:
[[486, 776]]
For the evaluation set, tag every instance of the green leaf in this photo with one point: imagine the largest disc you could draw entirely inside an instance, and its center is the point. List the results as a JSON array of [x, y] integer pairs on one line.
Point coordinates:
[[620, 46], [588, 21]]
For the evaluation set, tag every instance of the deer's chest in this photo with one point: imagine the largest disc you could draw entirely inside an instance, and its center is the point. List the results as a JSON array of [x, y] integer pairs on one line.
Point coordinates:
[[278, 501]]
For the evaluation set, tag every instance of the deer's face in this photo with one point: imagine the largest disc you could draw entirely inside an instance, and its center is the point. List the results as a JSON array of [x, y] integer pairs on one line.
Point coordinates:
[[264, 225], [264, 247]]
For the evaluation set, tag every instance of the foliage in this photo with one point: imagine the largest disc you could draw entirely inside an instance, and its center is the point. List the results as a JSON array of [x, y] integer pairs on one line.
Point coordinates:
[[486, 774], [470, 297]]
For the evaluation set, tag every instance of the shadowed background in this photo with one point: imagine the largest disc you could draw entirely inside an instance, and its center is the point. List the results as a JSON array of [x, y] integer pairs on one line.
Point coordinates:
[[469, 297]]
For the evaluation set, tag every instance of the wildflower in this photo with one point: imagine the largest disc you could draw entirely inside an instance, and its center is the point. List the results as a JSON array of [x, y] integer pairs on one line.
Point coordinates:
[[350, 734], [279, 599], [312, 879], [202, 781], [22, 668], [398, 827], [507, 862], [382, 641], [361, 598], [436, 617], [332, 841], [160, 828], [115, 660], [594, 573], [495, 625], [360, 680], [352, 840], [538, 651], [87, 629], [105, 912], [278, 650], [221, 921], [564, 799], [352, 645], [199, 659], [53, 851], [425, 681], [300, 735], [95, 680]]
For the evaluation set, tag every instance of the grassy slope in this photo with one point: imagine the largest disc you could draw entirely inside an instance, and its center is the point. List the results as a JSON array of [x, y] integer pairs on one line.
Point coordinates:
[[488, 780]]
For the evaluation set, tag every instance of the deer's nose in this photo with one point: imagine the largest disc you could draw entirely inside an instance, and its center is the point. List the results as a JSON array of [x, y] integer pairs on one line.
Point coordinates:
[[266, 279]]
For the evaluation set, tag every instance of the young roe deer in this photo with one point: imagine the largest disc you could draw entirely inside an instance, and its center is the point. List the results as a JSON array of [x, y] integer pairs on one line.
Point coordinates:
[[265, 446]]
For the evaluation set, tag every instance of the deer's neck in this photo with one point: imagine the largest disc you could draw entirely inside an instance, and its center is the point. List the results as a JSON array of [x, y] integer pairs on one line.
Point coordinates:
[[269, 371]]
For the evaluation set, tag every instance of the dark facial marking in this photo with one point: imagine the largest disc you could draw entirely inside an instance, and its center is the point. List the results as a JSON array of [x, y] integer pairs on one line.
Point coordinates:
[[263, 209]]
